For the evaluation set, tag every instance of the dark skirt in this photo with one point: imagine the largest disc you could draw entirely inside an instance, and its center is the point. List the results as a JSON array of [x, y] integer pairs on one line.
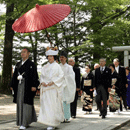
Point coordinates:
[[25, 113]]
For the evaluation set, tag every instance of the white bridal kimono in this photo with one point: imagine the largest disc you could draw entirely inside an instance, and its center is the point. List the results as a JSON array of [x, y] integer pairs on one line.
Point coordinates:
[[51, 109]]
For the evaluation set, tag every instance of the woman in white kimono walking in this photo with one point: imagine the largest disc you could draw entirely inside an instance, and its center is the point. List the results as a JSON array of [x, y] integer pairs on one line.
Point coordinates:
[[52, 81]]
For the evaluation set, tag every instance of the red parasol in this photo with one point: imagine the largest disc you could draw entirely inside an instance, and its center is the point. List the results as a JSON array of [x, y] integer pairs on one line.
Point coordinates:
[[41, 17]]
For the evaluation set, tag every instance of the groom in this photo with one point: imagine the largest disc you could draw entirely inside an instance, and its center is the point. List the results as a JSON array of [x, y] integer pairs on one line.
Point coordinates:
[[24, 84]]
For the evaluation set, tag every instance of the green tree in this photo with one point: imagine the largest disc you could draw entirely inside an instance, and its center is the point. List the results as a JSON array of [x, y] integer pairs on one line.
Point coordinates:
[[7, 60], [104, 22], [88, 33], [85, 34], [14, 8]]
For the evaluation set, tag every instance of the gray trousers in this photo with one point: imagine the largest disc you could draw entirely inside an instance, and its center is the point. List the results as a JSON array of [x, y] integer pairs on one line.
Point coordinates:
[[101, 96]]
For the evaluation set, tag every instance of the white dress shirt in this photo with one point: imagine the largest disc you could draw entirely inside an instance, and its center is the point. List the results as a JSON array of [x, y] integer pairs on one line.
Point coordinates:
[[24, 61], [117, 69], [102, 68]]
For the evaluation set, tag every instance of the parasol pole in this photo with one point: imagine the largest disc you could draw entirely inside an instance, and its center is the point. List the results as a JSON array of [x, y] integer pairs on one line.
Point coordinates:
[[48, 37]]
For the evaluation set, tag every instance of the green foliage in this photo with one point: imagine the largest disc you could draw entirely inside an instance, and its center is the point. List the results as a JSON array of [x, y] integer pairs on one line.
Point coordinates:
[[87, 34]]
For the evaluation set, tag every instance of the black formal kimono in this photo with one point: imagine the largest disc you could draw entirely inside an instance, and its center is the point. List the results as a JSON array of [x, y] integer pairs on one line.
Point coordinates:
[[102, 83], [23, 95], [77, 81], [114, 100], [122, 85], [114, 75], [88, 95]]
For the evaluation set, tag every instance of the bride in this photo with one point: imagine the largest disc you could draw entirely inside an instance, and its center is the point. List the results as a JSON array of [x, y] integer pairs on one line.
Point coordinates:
[[51, 110]]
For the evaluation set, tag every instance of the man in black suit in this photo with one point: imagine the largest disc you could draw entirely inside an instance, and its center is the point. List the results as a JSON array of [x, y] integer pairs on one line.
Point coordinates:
[[77, 80], [103, 86], [122, 84], [96, 65], [24, 84]]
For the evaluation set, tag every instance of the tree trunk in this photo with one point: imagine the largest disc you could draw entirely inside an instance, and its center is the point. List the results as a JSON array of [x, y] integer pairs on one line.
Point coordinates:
[[7, 58], [34, 47]]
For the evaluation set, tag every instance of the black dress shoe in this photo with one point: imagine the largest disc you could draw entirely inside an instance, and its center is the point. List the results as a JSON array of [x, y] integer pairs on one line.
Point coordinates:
[[100, 114], [103, 117]]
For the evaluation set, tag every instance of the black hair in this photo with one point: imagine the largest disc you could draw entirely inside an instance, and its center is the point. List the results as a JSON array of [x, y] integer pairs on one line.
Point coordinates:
[[127, 68], [111, 65], [26, 49], [88, 66], [64, 53], [55, 57]]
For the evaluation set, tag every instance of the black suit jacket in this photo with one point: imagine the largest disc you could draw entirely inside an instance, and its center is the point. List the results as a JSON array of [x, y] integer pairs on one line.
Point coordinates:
[[77, 76], [122, 79], [31, 80], [103, 79], [77, 80]]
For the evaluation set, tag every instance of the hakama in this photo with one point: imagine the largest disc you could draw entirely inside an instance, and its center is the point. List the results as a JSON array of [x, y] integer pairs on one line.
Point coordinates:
[[25, 113], [66, 108]]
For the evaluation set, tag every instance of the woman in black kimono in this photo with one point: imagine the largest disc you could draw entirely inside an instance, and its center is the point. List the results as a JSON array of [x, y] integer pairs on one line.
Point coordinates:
[[115, 97], [115, 79], [87, 88]]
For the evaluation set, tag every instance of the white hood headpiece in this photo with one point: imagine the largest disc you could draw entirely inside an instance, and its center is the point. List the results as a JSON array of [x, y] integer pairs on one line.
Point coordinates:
[[51, 52]]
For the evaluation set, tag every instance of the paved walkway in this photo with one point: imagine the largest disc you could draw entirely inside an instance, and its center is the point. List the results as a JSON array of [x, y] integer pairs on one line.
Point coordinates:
[[82, 122]]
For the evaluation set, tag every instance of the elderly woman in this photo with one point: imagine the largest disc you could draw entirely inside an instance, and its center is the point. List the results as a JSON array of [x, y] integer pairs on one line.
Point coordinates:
[[87, 88], [51, 110]]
